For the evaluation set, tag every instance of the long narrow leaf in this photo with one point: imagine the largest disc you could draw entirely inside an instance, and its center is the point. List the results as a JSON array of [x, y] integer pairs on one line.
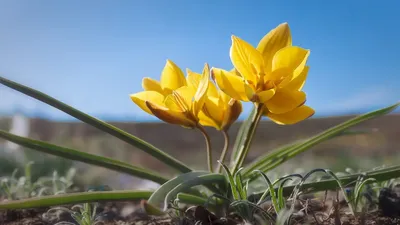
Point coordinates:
[[350, 180], [200, 180], [83, 157], [106, 127], [75, 198], [290, 151], [240, 136], [159, 195]]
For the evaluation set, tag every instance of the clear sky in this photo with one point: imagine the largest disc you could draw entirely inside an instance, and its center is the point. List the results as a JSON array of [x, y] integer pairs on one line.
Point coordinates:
[[92, 54]]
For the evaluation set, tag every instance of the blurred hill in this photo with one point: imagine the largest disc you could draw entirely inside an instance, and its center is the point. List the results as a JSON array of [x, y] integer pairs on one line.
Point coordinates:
[[381, 140]]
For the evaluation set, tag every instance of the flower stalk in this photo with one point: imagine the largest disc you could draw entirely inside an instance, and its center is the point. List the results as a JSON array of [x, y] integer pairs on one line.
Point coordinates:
[[208, 147], [224, 150], [244, 149]]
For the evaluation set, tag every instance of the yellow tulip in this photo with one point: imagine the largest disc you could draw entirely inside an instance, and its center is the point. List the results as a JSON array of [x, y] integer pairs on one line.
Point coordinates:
[[171, 79], [171, 100], [271, 75], [219, 110]]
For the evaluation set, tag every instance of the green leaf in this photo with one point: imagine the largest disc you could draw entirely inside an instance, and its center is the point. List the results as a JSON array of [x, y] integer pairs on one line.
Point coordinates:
[[277, 157], [195, 200], [83, 157], [235, 191], [200, 180], [159, 195], [106, 127], [248, 134], [244, 128], [75, 198], [348, 181]]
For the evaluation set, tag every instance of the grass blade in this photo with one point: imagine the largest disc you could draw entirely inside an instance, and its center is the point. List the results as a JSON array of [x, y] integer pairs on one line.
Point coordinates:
[[106, 127], [290, 151], [83, 157], [75, 198]]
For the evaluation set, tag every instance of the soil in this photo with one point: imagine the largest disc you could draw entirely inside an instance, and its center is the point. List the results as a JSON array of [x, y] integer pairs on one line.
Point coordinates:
[[313, 212], [309, 209]]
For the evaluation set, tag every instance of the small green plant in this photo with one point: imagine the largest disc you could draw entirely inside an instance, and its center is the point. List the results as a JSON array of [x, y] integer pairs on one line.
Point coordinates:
[[14, 188], [271, 77], [85, 214]]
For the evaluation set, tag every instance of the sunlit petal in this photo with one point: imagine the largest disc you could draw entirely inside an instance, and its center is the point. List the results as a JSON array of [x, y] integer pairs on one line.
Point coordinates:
[[193, 79], [299, 114], [200, 95], [172, 77], [265, 96], [292, 57], [231, 84], [285, 100], [167, 115], [214, 109], [204, 120], [184, 97], [298, 82], [275, 40], [232, 113], [246, 59], [149, 84], [140, 99]]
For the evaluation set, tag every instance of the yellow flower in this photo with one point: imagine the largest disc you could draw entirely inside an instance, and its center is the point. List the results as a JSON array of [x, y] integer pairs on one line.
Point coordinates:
[[172, 100], [172, 78], [219, 110], [271, 75]]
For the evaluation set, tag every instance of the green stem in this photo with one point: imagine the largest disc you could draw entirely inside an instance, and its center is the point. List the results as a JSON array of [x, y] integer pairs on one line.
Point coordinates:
[[208, 147], [244, 149], [224, 150]]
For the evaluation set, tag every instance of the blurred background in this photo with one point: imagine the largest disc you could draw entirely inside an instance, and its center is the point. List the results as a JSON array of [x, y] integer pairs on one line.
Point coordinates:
[[93, 54]]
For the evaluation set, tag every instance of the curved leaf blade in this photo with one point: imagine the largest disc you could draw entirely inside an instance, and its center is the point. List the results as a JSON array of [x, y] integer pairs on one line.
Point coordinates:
[[99, 124], [159, 195], [200, 180], [76, 155], [65, 199]]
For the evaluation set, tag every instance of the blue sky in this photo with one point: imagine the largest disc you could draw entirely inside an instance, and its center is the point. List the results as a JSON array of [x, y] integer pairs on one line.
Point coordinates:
[[93, 54]]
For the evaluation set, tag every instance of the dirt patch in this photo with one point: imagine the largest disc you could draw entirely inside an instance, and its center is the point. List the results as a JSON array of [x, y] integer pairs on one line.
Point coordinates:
[[129, 214]]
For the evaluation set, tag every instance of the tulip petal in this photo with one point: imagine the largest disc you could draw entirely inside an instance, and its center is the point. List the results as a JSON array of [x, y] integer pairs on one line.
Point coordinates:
[[298, 82], [170, 116], [298, 114], [192, 79], [140, 99], [285, 100], [172, 77], [149, 84], [246, 59], [275, 40], [214, 108], [232, 113], [291, 57], [200, 95], [264, 96], [280, 77], [182, 97], [232, 85], [204, 120]]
